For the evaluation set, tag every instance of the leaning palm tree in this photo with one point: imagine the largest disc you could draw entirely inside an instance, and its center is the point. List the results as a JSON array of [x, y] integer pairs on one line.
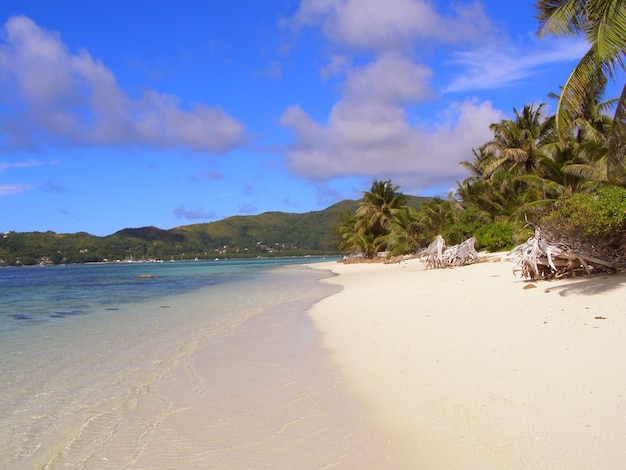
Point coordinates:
[[603, 22]]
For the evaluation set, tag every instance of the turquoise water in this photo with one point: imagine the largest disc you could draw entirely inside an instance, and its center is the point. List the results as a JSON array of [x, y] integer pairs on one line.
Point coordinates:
[[89, 353], [34, 294]]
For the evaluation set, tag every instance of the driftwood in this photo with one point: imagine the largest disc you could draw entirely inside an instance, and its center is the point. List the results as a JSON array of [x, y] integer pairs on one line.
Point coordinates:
[[438, 256], [433, 255], [540, 258], [460, 255]]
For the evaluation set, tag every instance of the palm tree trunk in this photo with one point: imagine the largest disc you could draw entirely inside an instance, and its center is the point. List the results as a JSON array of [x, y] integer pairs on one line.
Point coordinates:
[[616, 158]]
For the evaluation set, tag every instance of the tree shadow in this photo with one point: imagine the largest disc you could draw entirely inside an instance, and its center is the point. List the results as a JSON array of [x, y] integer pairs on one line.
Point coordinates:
[[591, 285]]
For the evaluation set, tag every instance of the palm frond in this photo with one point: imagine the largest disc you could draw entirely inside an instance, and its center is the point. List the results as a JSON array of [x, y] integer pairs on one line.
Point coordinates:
[[588, 172], [560, 17], [616, 158], [607, 20], [575, 91]]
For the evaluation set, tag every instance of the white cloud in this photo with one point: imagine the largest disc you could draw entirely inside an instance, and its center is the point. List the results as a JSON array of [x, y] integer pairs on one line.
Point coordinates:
[[371, 24], [391, 79], [337, 65], [67, 99], [486, 68], [379, 142], [370, 131], [364, 126], [6, 189], [28, 164]]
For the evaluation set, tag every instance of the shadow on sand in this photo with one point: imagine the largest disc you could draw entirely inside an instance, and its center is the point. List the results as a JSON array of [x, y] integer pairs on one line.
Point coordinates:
[[591, 285]]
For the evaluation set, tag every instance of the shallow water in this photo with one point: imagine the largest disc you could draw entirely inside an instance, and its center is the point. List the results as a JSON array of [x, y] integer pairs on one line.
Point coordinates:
[[204, 365]]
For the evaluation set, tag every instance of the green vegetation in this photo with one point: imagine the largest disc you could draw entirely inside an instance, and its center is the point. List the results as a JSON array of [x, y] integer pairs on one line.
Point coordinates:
[[267, 235], [270, 234], [565, 173], [383, 221], [526, 175], [602, 213], [603, 24]]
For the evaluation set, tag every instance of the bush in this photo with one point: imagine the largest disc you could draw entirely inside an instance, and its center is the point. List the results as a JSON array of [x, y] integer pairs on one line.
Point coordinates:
[[496, 236], [602, 213], [463, 226]]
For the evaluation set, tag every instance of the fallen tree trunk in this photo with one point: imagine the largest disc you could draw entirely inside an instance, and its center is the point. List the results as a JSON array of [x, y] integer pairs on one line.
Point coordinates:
[[540, 258]]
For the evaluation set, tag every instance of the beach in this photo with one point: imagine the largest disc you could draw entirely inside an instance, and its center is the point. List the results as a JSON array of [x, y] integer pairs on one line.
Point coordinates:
[[175, 365], [248, 365], [476, 368]]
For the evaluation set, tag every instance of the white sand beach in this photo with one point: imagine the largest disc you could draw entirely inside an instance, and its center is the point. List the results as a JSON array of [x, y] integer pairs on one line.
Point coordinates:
[[472, 368]]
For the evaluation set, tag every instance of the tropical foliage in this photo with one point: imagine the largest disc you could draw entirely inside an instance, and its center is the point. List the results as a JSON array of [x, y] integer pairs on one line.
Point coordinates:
[[566, 170], [526, 174], [382, 221], [603, 24]]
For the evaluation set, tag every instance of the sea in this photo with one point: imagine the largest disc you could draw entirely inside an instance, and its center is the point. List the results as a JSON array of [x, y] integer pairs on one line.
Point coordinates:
[[205, 364]]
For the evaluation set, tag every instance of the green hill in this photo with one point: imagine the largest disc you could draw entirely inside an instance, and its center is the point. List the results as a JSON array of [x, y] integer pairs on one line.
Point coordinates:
[[267, 234]]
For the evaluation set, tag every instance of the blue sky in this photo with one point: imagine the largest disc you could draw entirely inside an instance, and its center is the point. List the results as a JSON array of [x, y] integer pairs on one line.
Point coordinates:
[[118, 114]]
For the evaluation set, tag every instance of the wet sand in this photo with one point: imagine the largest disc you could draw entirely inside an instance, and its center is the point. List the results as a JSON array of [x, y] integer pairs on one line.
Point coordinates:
[[264, 394], [475, 368]]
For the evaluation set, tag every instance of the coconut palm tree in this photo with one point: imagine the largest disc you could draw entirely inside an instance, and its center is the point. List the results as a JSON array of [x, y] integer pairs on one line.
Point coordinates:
[[603, 23], [496, 185], [517, 144], [379, 214], [378, 208], [404, 232]]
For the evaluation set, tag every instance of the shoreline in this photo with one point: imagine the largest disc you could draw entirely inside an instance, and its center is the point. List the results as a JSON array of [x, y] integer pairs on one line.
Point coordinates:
[[259, 393], [475, 368], [230, 375]]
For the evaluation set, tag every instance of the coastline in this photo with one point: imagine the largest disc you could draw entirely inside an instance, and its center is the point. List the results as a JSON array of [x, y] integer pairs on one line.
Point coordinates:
[[230, 375], [475, 368]]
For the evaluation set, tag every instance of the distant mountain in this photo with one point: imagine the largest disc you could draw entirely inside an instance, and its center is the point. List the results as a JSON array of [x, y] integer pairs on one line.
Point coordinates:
[[267, 234]]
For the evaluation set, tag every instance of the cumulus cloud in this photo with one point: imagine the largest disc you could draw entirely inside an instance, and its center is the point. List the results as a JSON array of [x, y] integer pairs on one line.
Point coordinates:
[[368, 24], [365, 126], [379, 142], [54, 96], [372, 130], [193, 214]]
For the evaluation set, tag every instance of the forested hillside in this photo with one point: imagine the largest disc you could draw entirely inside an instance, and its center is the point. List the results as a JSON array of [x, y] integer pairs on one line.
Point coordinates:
[[268, 234]]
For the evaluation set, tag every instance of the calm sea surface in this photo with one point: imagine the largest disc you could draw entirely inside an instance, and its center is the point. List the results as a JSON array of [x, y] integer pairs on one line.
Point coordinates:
[[91, 357]]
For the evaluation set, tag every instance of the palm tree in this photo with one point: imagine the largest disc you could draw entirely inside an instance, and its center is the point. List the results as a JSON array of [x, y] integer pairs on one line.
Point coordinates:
[[517, 144], [378, 208], [381, 221], [603, 22], [517, 150], [404, 232], [435, 216]]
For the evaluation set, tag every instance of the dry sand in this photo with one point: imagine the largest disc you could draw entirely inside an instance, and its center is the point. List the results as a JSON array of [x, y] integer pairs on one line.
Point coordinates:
[[470, 368]]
